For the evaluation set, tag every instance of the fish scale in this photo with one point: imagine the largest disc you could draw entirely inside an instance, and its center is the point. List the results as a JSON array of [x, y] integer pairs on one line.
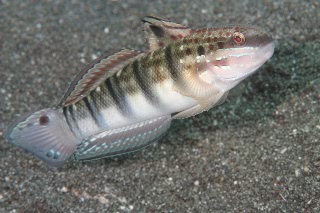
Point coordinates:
[[125, 100]]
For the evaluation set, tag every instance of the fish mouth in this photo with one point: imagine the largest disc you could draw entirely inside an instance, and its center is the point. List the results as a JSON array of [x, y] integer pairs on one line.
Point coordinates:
[[264, 53]]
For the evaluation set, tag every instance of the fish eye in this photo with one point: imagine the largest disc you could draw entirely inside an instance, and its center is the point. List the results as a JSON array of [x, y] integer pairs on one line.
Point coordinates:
[[238, 38], [44, 120]]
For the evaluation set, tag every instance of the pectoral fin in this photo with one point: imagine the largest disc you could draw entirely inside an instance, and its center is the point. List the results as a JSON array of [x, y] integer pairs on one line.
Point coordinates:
[[222, 99], [202, 106], [123, 140], [197, 109]]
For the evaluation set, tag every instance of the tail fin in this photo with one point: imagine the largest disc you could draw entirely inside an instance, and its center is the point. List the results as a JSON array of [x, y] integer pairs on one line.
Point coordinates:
[[44, 134]]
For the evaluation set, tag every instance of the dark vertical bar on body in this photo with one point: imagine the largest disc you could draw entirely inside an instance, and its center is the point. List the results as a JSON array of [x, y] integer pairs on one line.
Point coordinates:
[[139, 75], [91, 111], [172, 67], [70, 124], [117, 96]]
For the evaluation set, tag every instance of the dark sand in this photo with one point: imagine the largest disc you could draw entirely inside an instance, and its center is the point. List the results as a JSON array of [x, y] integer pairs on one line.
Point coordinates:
[[258, 152]]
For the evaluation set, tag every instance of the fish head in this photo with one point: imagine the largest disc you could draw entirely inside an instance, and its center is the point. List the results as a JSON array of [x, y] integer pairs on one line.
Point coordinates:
[[238, 52]]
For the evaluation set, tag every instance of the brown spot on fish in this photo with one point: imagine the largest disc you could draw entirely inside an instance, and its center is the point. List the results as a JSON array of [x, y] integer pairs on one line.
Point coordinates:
[[201, 50], [173, 37], [180, 36], [44, 120], [211, 46], [208, 40], [228, 34], [220, 45], [161, 44], [188, 51], [196, 40], [215, 39]]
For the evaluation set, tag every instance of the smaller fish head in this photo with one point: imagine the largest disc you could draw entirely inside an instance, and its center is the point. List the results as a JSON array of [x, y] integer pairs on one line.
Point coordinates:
[[239, 52]]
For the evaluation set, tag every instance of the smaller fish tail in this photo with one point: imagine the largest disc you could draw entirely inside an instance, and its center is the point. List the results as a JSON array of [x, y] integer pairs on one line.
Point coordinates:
[[45, 134]]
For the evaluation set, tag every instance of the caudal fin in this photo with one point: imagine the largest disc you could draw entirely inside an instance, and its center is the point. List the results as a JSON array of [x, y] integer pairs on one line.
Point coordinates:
[[44, 134]]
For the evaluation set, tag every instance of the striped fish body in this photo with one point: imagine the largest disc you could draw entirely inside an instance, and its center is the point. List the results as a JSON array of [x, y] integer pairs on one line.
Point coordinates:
[[142, 90], [124, 101]]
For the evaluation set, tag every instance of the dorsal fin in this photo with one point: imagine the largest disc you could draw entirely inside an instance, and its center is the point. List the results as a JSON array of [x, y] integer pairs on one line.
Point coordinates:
[[96, 72], [160, 31]]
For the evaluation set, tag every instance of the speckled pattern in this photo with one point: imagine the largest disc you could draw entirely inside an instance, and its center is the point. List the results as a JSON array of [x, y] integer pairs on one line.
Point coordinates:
[[258, 152]]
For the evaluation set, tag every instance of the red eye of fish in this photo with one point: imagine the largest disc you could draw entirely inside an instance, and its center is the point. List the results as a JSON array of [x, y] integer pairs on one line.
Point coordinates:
[[238, 38]]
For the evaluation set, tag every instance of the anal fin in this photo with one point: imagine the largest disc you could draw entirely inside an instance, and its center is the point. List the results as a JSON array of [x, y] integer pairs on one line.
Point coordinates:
[[123, 140]]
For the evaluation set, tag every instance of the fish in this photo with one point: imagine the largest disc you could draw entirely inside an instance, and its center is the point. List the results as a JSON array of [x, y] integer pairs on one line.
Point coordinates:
[[125, 100]]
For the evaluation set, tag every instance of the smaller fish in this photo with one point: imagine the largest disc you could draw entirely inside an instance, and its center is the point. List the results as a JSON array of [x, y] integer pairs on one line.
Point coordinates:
[[125, 100]]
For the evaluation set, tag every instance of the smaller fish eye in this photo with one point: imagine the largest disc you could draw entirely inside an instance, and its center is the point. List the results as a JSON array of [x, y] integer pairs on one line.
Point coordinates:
[[238, 38], [44, 120]]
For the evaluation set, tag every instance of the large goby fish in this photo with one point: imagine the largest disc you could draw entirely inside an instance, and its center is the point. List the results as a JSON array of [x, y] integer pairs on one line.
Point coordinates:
[[124, 101]]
